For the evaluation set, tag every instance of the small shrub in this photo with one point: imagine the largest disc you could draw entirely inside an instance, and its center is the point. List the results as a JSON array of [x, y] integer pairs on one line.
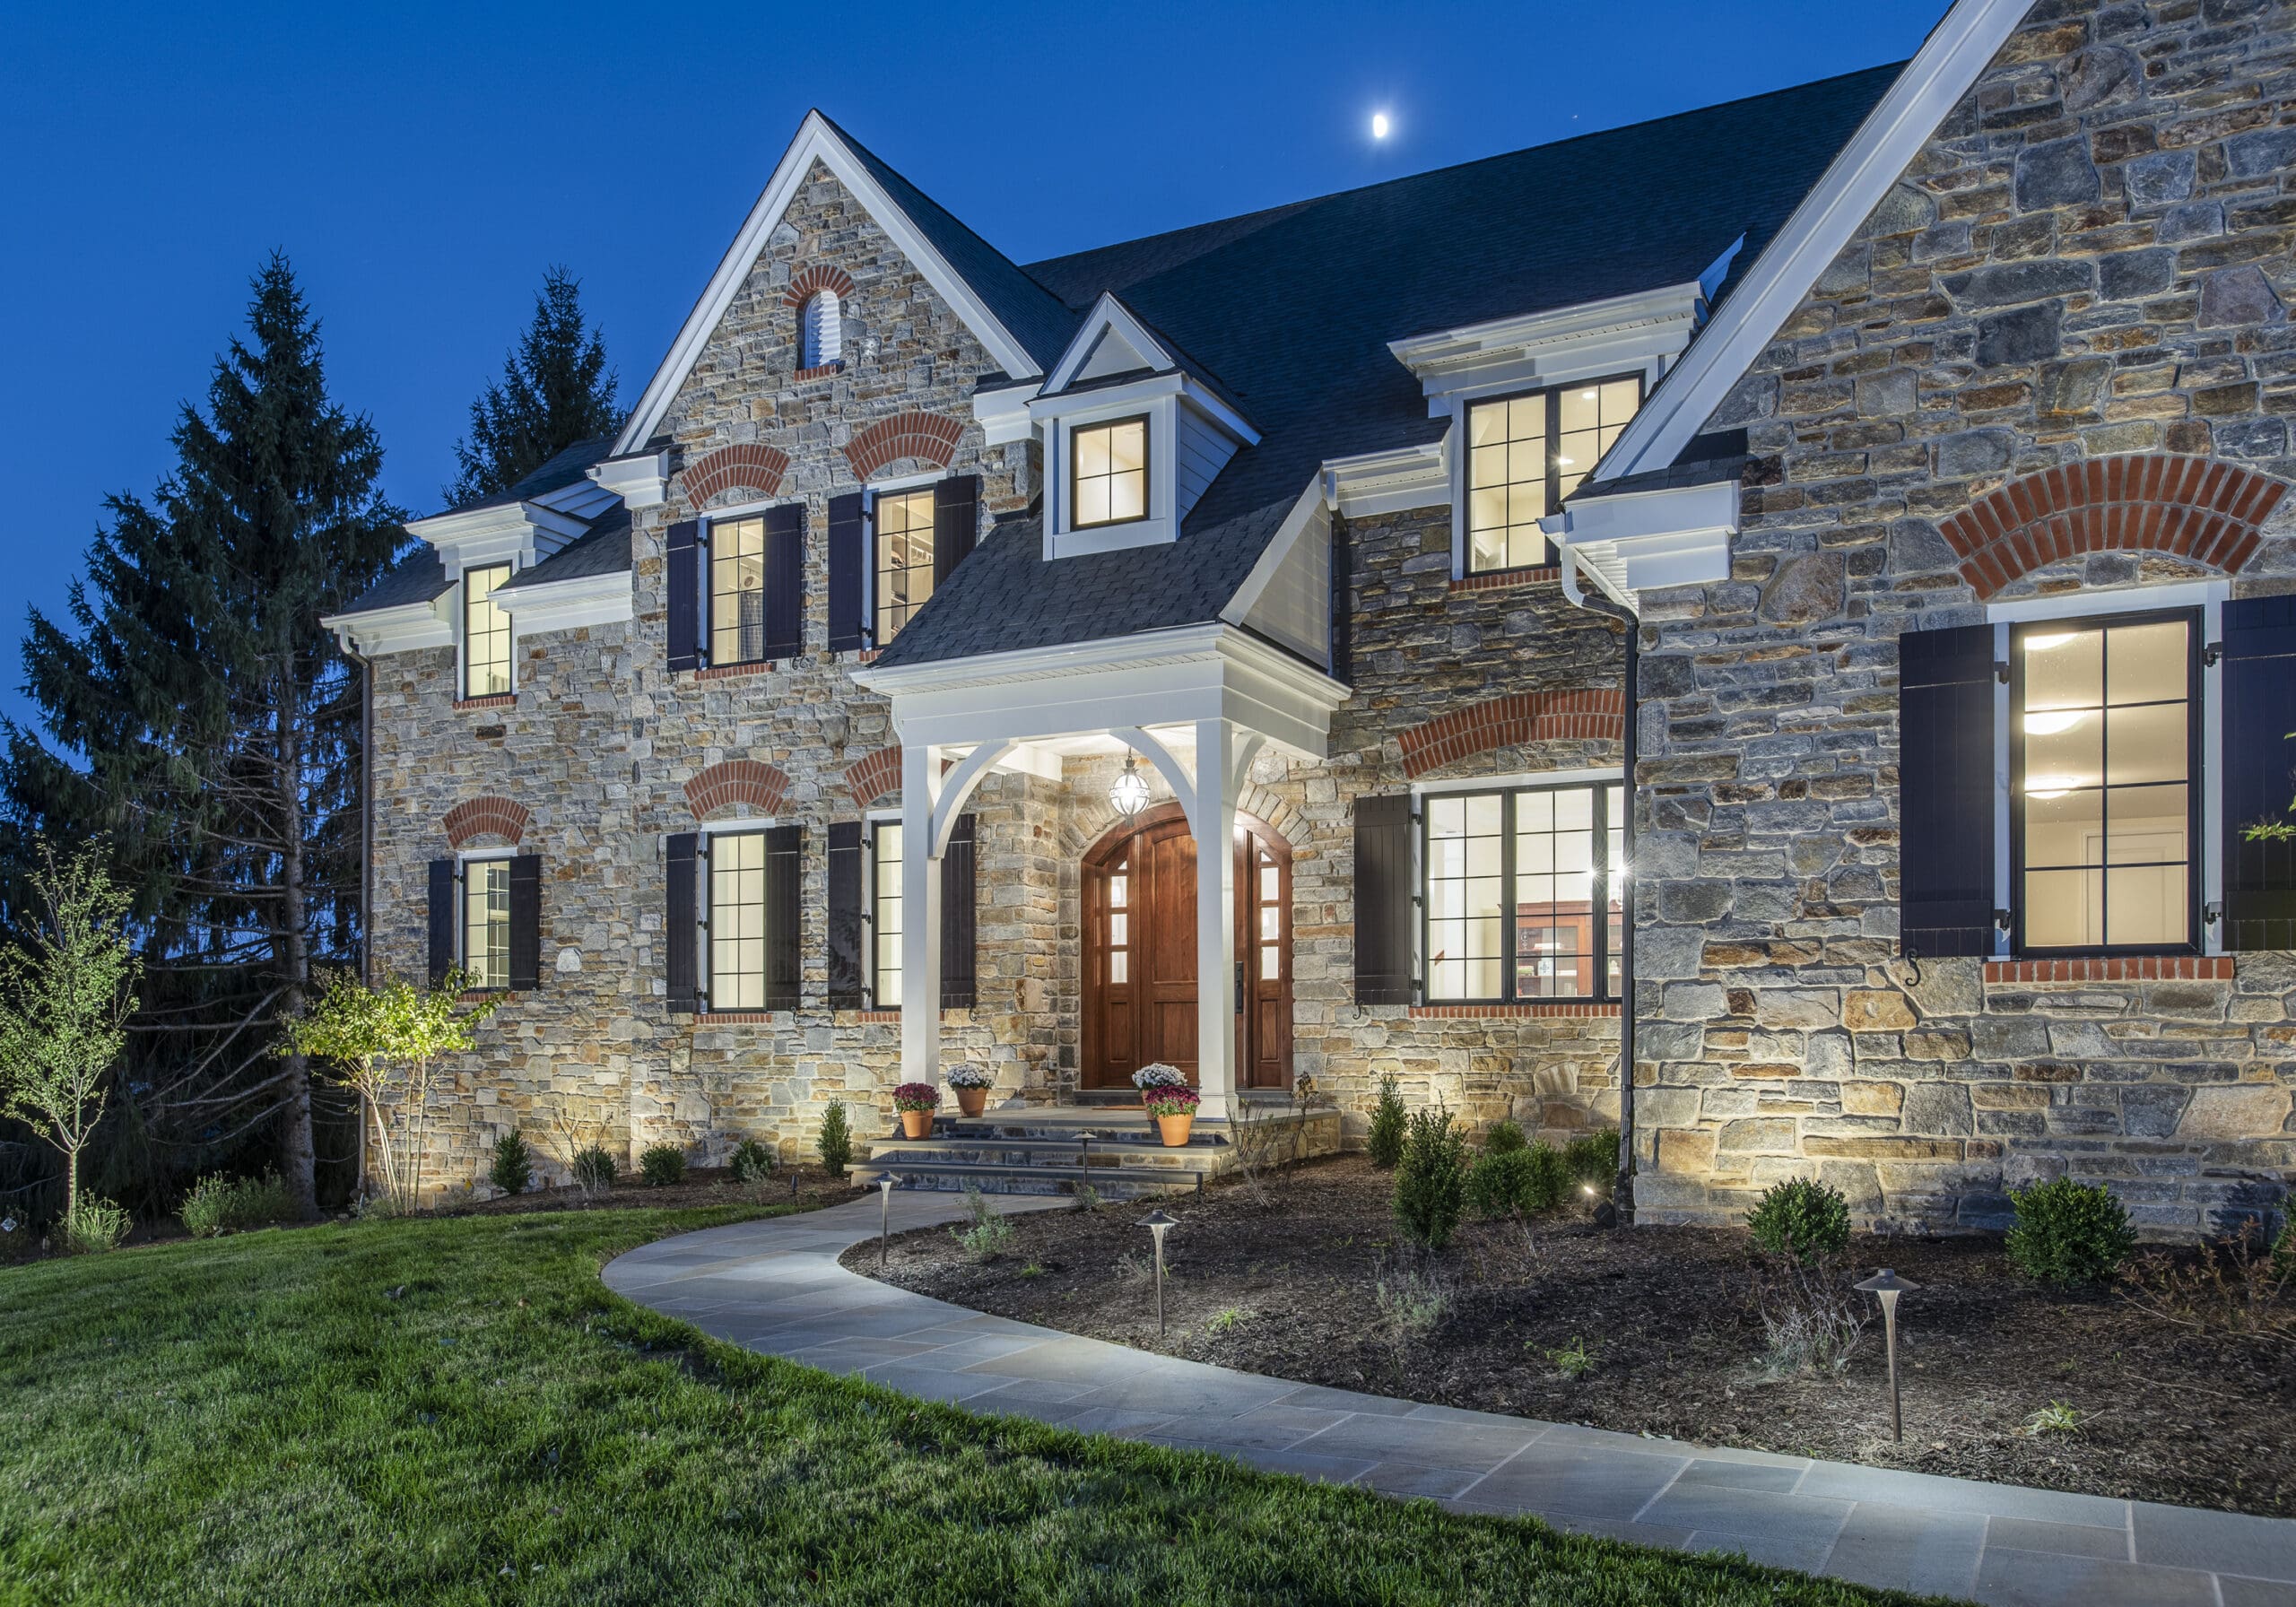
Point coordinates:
[[593, 1169], [513, 1171], [1503, 1138], [219, 1204], [1431, 1178], [1801, 1218], [1573, 1360], [1087, 1197], [94, 1225], [835, 1144], [1521, 1182], [2283, 1249], [1593, 1157], [1133, 1267], [1412, 1300], [2056, 1418], [2233, 1285], [1387, 1119], [662, 1165], [1812, 1320], [381, 1207], [989, 1235], [750, 1162], [1223, 1321], [2069, 1234]]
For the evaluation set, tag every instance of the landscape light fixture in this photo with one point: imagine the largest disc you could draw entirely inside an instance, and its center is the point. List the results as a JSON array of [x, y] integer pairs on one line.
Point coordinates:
[[1886, 1285], [884, 1216], [1129, 793], [1158, 1222]]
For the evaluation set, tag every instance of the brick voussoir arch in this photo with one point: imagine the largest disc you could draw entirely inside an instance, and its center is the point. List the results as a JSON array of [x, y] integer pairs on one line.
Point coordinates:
[[1595, 712], [2195, 507], [753, 467], [490, 816], [813, 278], [927, 437], [736, 781], [874, 776]]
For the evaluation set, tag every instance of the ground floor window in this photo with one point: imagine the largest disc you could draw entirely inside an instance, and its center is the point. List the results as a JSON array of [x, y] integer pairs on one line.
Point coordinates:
[[1523, 893], [736, 918], [485, 957], [885, 923]]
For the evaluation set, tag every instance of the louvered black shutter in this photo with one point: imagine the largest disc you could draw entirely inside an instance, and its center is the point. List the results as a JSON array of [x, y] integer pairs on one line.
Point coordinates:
[[526, 923], [785, 847], [1945, 791], [785, 580], [2259, 694], [442, 919], [683, 974], [1343, 603], [848, 561], [956, 521], [1386, 899], [959, 917], [684, 581], [844, 915]]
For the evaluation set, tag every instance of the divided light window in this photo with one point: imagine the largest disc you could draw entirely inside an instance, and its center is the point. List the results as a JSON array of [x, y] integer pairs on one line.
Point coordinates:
[[486, 923], [885, 923], [1522, 894], [736, 919], [1108, 473], [486, 633], [2105, 766], [1526, 454], [904, 558], [737, 590]]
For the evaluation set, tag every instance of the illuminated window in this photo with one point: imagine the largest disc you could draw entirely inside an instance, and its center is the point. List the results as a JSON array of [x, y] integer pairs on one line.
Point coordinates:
[[822, 331], [904, 558], [1523, 894], [486, 923], [737, 590], [486, 633], [1526, 454], [736, 883], [1109, 472], [2103, 820], [885, 921]]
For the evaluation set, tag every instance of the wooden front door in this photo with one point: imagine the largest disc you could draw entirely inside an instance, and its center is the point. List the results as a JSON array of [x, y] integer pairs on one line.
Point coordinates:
[[1140, 978]]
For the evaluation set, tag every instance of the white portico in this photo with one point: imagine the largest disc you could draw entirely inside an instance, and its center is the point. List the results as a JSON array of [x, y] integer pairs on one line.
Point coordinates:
[[1233, 693]]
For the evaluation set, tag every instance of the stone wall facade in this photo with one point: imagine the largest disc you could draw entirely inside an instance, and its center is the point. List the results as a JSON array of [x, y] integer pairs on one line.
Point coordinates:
[[2091, 258]]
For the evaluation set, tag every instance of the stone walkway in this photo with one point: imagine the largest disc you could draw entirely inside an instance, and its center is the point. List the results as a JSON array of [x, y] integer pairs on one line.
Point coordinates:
[[775, 1287]]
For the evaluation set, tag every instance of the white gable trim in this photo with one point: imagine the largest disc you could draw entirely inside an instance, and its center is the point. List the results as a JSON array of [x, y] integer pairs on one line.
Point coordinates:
[[816, 140], [1884, 146], [1108, 313]]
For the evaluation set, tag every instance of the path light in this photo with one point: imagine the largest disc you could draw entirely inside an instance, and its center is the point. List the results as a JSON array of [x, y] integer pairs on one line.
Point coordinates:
[[1886, 1285], [1158, 1222], [1129, 793], [884, 1214]]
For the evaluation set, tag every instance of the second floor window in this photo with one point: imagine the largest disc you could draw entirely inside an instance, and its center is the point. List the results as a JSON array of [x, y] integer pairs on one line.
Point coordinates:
[[736, 918], [486, 633], [1109, 477], [904, 568], [1522, 894], [486, 923], [738, 591], [1526, 454]]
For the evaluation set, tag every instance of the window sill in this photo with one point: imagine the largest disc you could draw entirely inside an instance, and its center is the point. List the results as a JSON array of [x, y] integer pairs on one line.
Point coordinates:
[[822, 372], [727, 672], [713, 1018], [1542, 1007], [863, 1018], [480, 995], [1499, 580], [2114, 967], [493, 701]]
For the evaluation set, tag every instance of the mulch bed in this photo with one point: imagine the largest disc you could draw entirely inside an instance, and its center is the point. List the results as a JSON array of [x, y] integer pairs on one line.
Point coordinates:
[[1281, 1279]]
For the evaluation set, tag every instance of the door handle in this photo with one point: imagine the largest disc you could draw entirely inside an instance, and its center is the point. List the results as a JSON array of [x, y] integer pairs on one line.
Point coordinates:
[[1240, 987]]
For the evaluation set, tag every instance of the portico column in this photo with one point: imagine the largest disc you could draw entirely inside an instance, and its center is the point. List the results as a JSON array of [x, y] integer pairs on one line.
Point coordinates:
[[920, 915], [1211, 820]]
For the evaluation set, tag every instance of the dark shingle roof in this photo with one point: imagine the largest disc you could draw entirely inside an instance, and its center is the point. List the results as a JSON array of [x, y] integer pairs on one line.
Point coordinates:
[[556, 474], [1703, 460], [1293, 307], [603, 548], [417, 577]]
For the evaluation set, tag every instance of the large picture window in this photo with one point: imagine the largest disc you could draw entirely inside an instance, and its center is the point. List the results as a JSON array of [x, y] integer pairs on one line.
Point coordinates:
[[904, 568], [1526, 454], [737, 590], [736, 920], [885, 923], [2104, 797], [486, 633], [1108, 473], [485, 956], [1522, 894]]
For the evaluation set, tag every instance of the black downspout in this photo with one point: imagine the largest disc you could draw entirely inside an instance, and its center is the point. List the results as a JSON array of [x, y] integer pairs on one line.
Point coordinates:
[[1623, 1195]]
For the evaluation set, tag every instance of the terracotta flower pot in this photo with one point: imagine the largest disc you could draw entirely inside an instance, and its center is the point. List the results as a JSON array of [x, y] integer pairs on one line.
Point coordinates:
[[1175, 1128], [972, 1102], [916, 1124]]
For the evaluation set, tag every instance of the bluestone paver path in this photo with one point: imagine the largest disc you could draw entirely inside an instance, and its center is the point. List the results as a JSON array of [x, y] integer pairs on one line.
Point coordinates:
[[776, 1286]]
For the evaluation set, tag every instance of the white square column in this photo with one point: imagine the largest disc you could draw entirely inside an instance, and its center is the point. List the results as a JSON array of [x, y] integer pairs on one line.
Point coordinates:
[[1212, 820], [920, 915]]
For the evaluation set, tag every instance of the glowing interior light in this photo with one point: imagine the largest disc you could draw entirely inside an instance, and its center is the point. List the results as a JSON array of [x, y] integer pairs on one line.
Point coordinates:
[[2053, 721], [1565, 462], [2042, 644]]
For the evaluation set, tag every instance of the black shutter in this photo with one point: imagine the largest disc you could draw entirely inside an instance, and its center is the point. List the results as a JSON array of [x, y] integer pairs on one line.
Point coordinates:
[[956, 521], [684, 581], [844, 915], [785, 580], [2259, 693], [1945, 791], [442, 919], [1386, 899], [785, 848], [526, 923], [960, 889], [848, 561], [1343, 603], [683, 973]]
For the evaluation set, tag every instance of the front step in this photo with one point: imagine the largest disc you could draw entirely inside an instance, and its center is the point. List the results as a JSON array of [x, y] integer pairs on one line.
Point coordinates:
[[1041, 1150]]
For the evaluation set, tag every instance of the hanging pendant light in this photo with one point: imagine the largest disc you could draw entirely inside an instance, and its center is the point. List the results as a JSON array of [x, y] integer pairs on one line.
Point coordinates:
[[1129, 793]]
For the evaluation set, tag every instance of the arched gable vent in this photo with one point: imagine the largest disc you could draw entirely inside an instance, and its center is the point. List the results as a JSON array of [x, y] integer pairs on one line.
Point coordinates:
[[821, 341]]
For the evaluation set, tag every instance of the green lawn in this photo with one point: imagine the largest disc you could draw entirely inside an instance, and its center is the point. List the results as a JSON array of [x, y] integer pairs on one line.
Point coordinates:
[[457, 1410]]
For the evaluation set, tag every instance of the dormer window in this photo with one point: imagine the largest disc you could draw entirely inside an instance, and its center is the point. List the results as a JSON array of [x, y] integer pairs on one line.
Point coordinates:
[[1108, 472], [822, 331], [486, 633], [1526, 454]]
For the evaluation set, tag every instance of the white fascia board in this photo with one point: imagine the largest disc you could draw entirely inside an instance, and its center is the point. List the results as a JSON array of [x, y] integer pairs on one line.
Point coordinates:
[[585, 499], [1155, 678], [1524, 348], [563, 605], [1385, 482], [1107, 313], [1106, 401], [1647, 541], [1003, 415], [520, 532], [1199, 400], [1884, 146], [399, 629], [816, 140], [641, 480]]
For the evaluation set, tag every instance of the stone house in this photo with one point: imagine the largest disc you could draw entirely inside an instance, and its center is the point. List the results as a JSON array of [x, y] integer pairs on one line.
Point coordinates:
[[1569, 585]]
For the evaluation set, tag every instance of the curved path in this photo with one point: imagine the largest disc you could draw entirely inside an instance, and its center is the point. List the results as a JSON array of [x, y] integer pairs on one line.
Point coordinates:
[[776, 1286]]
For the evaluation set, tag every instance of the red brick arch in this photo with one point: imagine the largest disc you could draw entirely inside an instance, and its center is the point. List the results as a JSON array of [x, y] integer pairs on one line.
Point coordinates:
[[759, 469], [490, 816], [736, 781], [874, 776], [815, 277], [1510, 722], [927, 437], [2195, 507]]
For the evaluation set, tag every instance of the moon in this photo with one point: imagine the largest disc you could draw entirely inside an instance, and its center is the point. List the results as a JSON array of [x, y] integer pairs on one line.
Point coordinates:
[[1378, 124]]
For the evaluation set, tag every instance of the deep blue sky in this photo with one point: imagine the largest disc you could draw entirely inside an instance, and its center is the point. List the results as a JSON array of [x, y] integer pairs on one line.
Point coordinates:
[[422, 164]]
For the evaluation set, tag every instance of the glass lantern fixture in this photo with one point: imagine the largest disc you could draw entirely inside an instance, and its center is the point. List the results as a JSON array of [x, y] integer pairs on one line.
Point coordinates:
[[1129, 793]]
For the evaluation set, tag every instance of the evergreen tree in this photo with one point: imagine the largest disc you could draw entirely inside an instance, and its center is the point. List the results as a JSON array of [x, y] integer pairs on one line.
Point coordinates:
[[555, 390], [197, 714]]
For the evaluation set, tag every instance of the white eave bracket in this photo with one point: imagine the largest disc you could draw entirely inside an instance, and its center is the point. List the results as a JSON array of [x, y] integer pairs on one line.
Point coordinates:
[[1639, 541], [640, 479]]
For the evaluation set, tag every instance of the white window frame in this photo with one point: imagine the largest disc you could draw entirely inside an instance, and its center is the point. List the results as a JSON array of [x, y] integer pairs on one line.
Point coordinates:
[[462, 694], [1159, 402], [705, 898], [705, 606], [464, 861], [891, 485]]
